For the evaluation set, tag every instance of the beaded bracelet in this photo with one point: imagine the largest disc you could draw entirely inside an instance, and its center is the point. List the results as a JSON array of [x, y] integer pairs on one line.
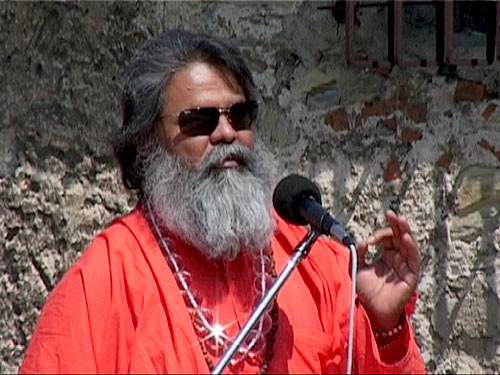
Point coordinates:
[[392, 333], [385, 338]]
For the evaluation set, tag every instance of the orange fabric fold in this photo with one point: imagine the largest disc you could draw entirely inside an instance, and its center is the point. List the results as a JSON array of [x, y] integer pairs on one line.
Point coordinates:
[[119, 310]]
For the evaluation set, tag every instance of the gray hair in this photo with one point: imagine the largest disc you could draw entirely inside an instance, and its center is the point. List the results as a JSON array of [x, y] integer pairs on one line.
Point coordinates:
[[143, 94], [220, 211]]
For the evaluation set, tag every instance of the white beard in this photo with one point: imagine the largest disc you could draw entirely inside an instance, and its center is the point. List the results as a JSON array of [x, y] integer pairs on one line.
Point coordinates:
[[219, 211]]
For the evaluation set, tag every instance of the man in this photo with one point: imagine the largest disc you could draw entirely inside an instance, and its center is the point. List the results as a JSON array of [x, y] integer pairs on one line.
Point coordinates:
[[167, 287]]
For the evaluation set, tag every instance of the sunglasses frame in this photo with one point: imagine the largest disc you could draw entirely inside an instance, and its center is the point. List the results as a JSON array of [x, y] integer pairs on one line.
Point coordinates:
[[204, 120]]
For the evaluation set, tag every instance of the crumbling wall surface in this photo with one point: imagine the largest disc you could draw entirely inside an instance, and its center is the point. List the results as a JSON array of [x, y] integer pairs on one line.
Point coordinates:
[[423, 141]]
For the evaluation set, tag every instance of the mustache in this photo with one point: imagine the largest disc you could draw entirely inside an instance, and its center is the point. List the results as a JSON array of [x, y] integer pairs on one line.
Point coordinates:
[[202, 204], [236, 151]]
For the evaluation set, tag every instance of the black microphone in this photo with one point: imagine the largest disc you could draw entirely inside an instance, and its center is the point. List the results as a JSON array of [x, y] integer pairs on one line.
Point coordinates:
[[298, 201]]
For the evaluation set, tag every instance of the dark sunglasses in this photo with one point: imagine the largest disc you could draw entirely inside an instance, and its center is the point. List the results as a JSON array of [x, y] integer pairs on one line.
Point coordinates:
[[203, 121]]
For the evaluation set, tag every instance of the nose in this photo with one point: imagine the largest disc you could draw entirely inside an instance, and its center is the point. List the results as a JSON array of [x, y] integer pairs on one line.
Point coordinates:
[[224, 132]]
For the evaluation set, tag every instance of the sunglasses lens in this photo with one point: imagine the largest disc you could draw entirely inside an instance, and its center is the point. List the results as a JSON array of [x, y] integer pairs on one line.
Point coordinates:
[[202, 121], [241, 115]]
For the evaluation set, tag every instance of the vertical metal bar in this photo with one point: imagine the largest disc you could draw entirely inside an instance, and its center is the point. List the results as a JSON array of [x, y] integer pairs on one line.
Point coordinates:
[[397, 33], [390, 32], [298, 254], [349, 28], [498, 30], [440, 33], [448, 31], [491, 30]]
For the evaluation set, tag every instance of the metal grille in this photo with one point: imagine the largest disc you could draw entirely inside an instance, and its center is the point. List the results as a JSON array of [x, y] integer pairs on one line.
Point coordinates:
[[446, 51]]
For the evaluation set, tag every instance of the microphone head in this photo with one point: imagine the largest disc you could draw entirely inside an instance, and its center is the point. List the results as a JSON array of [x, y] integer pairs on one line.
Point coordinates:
[[288, 195]]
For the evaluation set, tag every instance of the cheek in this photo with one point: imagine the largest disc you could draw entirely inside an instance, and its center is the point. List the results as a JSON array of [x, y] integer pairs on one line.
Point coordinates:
[[246, 138], [192, 149]]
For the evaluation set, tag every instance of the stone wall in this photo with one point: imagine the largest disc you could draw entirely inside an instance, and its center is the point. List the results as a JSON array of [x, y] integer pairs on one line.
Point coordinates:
[[423, 141]]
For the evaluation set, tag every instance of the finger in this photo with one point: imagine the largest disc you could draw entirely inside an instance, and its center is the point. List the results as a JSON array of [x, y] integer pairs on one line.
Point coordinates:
[[378, 238], [412, 253], [397, 263], [393, 221], [408, 253], [405, 242], [381, 237], [401, 221]]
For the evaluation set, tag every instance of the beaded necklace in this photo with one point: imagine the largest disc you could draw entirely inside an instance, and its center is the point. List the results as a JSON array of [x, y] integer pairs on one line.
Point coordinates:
[[257, 348]]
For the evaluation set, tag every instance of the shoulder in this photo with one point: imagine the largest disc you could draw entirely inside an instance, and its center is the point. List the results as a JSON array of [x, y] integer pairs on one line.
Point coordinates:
[[105, 286], [123, 238], [114, 254]]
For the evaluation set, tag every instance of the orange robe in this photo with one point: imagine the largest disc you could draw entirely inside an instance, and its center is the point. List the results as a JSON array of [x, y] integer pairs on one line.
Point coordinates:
[[119, 310]]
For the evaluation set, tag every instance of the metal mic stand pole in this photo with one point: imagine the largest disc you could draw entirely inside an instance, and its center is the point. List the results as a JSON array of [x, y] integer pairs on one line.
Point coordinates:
[[299, 253]]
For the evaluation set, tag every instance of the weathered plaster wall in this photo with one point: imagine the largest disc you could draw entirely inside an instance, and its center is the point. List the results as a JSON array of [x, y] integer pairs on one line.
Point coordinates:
[[425, 142]]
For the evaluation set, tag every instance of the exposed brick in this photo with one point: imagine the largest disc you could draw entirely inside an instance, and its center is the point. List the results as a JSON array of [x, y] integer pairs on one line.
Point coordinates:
[[444, 161], [392, 170], [391, 123], [338, 119], [409, 135], [483, 143], [382, 108], [469, 91], [488, 111], [418, 112]]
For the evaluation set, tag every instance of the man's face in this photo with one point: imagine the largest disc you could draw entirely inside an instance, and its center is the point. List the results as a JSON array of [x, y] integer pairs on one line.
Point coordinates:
[[201, 85]]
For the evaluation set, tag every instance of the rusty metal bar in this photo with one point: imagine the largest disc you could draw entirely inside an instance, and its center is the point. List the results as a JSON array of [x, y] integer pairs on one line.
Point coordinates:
[[349, 29], [448, 32], [397, 32], [444, 35]]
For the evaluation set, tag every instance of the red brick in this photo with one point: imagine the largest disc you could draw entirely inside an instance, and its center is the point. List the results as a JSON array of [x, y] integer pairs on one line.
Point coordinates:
[[469, 91], [409, 135], [488, 111], [418, 112], [483, 143], [382, 108], [444, 161], [391, 123], [392, 170], [338, 119]]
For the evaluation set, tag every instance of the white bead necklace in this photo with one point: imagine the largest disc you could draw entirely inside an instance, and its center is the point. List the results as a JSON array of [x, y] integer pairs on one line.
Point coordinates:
[[211, 334]]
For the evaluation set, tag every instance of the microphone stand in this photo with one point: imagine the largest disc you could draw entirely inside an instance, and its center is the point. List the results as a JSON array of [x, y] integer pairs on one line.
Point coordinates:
[[301, 250]]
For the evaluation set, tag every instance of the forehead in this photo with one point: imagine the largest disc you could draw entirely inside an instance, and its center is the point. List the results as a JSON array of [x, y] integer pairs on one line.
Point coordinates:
[[197, 77]]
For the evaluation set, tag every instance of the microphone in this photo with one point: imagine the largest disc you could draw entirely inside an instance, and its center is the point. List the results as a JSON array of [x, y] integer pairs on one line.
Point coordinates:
[[298, 201]]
